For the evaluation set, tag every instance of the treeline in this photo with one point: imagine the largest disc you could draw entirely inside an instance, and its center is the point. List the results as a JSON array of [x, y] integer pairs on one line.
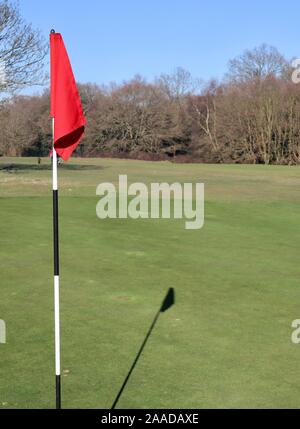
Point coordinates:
[[252, 116]]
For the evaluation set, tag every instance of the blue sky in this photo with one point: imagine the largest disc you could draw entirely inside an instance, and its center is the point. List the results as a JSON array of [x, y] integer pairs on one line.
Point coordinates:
[[113, 40]]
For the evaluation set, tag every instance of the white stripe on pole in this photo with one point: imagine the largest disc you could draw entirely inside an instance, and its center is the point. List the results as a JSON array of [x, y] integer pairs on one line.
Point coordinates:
[[54, 170], [54, 161], [57, 325]]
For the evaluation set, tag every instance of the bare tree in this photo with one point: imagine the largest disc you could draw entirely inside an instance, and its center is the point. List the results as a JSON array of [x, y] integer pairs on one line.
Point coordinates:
[[22, 51], [178, 84], [25, 126], [257, 63], [252, 121]]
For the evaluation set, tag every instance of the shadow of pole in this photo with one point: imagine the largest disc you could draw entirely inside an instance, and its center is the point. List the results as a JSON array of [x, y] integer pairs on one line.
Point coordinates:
[[168, 301]]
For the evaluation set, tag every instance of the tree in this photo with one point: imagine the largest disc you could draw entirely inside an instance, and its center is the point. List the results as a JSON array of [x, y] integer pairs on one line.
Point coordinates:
[[257, 63], [203, 110], [178, 84], [22, 51], [25, 126]]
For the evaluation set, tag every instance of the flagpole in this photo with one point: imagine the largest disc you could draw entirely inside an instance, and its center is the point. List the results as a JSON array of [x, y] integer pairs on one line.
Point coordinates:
[[66, 108], [56, 275]]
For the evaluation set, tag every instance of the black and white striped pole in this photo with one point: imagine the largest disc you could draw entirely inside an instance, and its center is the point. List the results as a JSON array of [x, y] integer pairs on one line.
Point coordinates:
[[56, 275]]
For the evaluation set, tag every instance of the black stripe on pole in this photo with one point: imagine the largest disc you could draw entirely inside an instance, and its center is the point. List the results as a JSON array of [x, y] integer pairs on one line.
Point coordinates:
[[55, 232], [58, 393], [56, 273]]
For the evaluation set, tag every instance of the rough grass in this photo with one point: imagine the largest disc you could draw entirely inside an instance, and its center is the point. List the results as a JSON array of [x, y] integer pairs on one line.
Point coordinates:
[[226, 342]]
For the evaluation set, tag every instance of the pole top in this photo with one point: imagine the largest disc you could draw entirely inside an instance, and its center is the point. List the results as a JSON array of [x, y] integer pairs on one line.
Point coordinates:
[[52, 31]]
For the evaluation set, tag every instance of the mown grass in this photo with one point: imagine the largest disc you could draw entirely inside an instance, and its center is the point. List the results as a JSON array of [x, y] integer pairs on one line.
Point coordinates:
[[226, 342]]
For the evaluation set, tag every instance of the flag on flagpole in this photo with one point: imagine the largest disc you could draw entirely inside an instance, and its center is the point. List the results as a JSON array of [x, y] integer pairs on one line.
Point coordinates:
[[66, 109], [68, 123]]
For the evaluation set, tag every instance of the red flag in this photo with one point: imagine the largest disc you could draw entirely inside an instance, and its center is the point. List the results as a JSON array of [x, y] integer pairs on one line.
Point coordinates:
[[66, 109]]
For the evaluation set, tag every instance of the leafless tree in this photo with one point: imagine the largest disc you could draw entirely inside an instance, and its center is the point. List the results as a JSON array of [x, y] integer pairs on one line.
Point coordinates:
[[238, 121], [178, 84], [22, 51], [257, 63]]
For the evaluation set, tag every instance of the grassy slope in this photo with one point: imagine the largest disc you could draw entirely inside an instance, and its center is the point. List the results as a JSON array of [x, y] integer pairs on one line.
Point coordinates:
[[226, 343]]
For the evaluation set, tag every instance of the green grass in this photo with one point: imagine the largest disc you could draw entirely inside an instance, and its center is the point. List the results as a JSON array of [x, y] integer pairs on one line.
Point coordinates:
[[226, 342]]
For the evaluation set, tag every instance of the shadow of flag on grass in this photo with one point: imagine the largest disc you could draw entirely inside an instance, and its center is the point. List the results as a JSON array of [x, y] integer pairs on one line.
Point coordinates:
[[167, 303]]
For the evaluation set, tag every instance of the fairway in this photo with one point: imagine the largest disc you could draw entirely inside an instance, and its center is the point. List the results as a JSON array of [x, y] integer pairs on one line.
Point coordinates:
[[227, 341]]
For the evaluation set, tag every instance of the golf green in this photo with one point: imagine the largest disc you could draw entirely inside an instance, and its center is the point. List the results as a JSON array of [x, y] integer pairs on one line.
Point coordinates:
[[227, 340]]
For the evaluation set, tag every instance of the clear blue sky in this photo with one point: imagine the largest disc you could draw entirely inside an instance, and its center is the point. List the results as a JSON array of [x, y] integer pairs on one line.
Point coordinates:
[[112, 40]]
